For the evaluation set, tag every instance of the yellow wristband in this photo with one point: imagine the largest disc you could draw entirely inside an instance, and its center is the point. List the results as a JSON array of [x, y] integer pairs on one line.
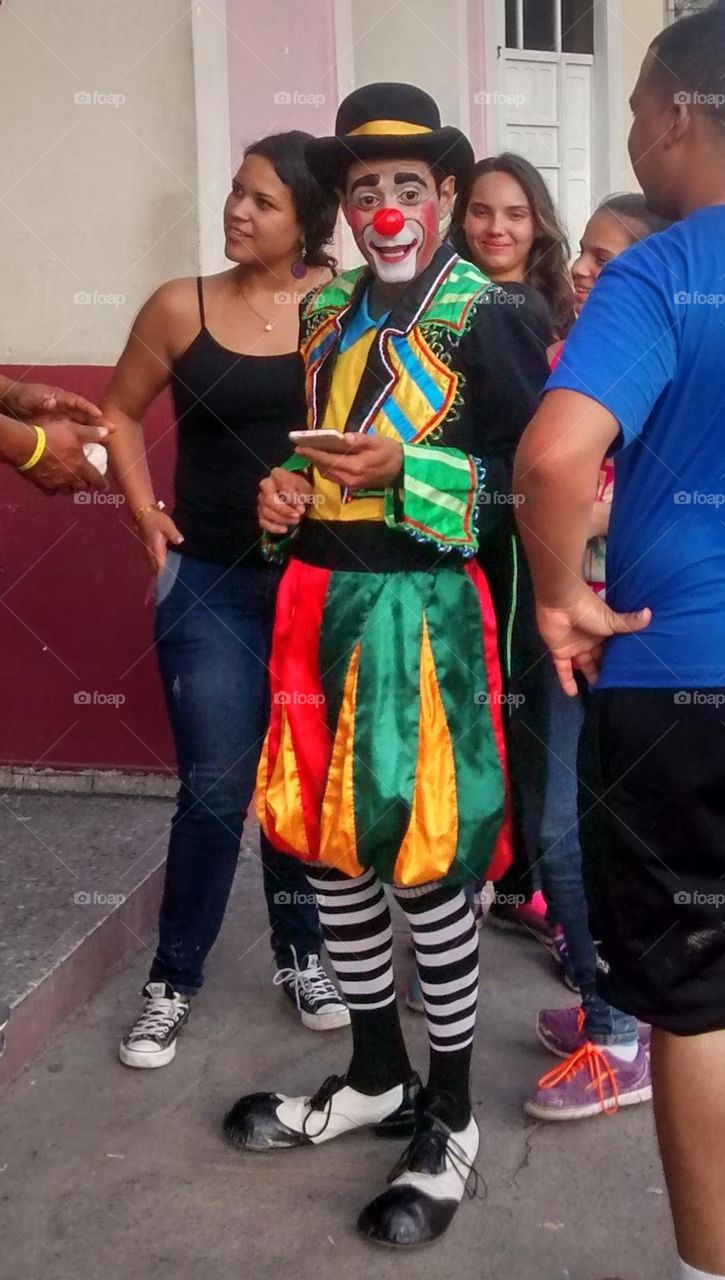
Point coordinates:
[[38, 451]]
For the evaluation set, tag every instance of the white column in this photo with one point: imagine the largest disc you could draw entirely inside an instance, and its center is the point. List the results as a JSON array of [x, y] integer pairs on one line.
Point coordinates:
[[610, 169]]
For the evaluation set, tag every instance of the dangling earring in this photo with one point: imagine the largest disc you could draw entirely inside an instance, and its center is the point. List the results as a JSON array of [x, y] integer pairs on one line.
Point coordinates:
[[299, 266]]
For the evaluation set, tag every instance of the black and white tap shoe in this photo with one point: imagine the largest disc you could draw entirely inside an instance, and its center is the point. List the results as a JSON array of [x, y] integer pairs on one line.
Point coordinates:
[[274, 1121], [427, 1184]]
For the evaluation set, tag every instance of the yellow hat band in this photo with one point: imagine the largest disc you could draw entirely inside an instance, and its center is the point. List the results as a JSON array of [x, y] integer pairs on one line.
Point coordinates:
[[385, 128]]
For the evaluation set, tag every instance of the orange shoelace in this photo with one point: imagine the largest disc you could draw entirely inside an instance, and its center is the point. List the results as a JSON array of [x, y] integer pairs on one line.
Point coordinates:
[[600, 1071]]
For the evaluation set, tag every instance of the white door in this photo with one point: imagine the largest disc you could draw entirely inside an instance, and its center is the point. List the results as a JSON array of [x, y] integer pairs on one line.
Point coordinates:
[[542, 105]]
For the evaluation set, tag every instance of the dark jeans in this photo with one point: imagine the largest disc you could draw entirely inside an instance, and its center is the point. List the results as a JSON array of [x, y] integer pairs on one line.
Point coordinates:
[[523, 661], [213, 630], [561, 862]]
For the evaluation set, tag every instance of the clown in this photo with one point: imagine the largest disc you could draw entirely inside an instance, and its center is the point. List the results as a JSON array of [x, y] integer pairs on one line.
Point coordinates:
[[384, 762]]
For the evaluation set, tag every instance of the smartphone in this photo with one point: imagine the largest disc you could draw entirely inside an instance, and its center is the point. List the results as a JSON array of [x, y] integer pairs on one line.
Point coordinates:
[[330, 441]]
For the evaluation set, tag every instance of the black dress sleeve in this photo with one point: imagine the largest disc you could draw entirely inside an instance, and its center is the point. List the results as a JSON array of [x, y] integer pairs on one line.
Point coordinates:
[[504, 363]]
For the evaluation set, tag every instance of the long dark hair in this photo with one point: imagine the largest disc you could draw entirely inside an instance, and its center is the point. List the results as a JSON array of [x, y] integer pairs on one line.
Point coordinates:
[[547, 269], [630, 207], [316, 209]]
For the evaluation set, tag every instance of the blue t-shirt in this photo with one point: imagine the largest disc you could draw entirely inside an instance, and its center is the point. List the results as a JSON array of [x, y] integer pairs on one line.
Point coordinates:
[[650, 347]]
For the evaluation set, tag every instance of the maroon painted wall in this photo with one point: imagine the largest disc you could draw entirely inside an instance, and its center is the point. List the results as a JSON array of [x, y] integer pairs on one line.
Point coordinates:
[[73, 616]]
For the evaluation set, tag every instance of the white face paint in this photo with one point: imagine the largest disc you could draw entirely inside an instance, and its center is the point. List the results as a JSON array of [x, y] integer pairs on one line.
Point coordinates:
[[408, 187], [394, 259]]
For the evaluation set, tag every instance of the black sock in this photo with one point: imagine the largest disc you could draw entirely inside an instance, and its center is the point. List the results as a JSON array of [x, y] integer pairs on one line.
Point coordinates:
[[446, 949], [358, 933], [379, 1056]]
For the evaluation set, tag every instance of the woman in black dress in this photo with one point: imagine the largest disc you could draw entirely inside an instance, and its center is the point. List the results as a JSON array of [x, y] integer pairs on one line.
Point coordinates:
[[506, 223], [227, 346]]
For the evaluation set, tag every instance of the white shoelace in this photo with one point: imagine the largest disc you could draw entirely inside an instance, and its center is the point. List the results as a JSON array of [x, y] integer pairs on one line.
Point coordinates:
[[312, 980], [157, 1019]]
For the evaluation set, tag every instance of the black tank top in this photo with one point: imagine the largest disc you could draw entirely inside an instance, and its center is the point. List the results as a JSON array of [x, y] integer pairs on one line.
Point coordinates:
[[233, 413]]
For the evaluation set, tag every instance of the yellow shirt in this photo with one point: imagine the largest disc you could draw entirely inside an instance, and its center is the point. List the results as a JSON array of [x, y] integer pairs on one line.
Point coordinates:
[[349, 368]]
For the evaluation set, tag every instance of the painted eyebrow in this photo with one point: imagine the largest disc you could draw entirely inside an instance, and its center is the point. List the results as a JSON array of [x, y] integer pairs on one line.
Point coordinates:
[[400, 178], [367, 180]]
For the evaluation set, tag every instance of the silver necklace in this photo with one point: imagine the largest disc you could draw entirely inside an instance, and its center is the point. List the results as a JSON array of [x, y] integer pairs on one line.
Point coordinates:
[[268, 326]]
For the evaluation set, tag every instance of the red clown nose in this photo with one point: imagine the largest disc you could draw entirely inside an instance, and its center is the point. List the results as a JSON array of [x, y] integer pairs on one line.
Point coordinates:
[[388, 222]]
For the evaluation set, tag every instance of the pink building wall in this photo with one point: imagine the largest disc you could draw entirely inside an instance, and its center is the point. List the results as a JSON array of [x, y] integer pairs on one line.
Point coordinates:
[[79, 684], [282, 69], [73, 615]]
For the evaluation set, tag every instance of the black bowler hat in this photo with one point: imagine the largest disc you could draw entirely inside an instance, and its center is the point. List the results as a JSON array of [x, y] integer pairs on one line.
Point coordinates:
[[382, 121]]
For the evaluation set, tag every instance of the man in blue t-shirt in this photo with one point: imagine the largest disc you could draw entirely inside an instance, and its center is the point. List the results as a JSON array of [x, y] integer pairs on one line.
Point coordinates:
[[642, 378]]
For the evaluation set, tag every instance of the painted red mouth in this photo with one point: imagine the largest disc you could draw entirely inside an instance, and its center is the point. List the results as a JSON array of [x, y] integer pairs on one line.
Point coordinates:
[[393, 252]]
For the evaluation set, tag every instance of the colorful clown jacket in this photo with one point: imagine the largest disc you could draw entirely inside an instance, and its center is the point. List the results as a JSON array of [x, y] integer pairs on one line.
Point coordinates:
[[385, 746]]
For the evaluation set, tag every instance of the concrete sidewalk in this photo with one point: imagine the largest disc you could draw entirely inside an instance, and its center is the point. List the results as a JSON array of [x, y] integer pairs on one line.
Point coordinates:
[[108, 1173]]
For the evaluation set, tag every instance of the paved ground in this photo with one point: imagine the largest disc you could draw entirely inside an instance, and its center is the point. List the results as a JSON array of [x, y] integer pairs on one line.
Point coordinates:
[[64, 859], [107, 1173]]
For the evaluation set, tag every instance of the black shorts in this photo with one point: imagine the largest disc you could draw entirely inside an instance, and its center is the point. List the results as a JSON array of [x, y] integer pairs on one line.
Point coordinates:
[[652, 815]]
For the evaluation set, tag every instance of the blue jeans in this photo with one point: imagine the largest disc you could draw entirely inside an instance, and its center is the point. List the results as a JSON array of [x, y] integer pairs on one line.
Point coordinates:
[[561, 864], [213, 632]]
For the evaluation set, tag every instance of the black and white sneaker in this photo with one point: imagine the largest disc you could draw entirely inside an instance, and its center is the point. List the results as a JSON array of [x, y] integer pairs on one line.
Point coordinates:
[[427, 1184], [151, 1042], [318, 1001], [275, 1121]]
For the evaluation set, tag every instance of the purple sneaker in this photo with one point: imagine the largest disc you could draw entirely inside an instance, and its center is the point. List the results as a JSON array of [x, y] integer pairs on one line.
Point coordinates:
[[591, 1082], [563, 1031]]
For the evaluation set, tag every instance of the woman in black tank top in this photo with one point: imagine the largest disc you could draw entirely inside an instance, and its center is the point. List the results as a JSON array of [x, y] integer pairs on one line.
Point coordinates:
[[227, 347]]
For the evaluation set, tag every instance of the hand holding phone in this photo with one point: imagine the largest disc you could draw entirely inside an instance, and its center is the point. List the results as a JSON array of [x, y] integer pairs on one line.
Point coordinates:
[[363, 460]]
